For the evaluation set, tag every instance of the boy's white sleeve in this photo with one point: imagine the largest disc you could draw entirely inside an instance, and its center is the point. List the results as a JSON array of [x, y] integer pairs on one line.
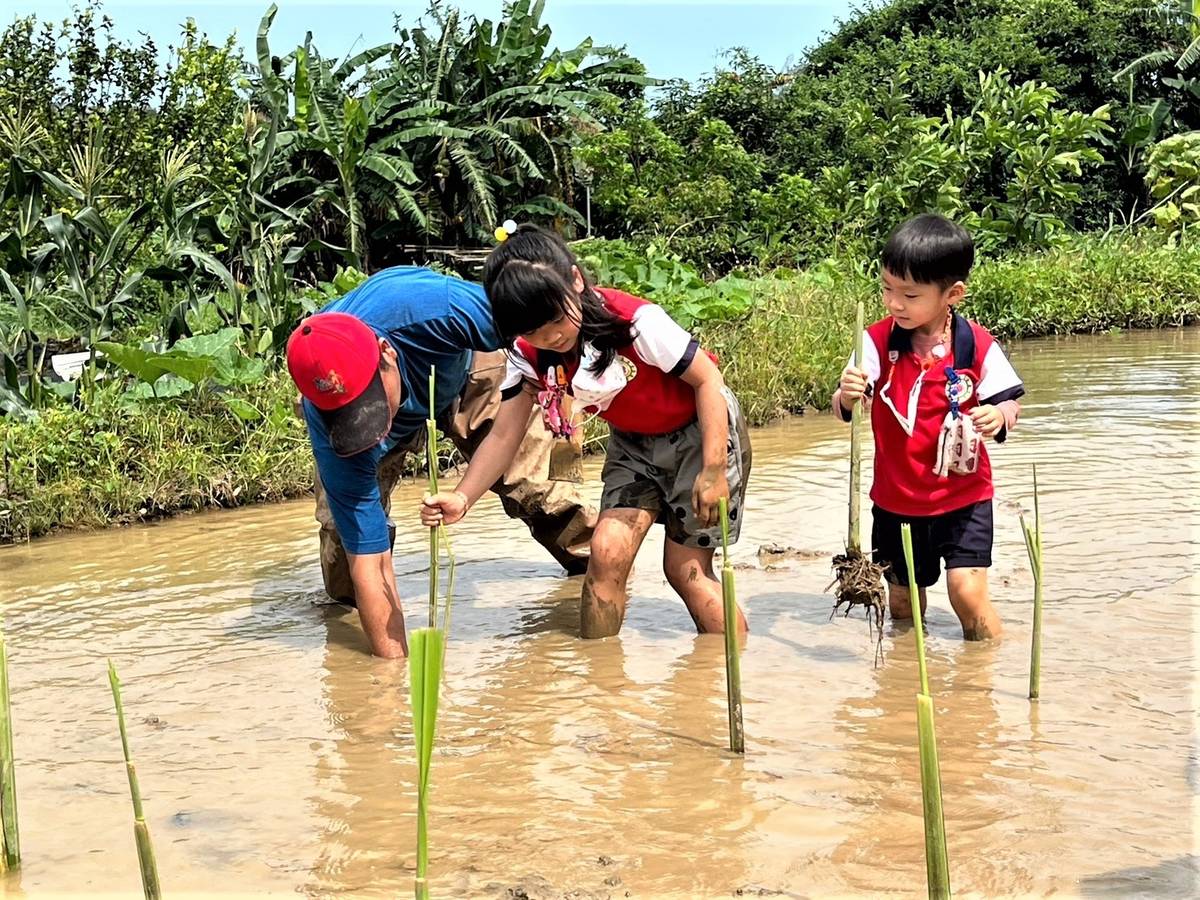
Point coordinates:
[[998, 380], [870, 363], [661, 342], [517, 370]]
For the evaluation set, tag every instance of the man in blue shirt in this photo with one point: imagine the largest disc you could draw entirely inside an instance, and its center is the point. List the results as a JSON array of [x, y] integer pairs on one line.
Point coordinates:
[[362, 367]]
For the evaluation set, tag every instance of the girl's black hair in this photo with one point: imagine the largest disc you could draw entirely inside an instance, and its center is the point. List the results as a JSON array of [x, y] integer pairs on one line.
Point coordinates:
[[529, 281], [930, 249]]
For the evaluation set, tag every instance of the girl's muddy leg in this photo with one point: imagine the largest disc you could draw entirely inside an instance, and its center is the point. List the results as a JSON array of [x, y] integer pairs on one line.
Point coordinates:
[[968, 589], [899, 604], [618, 535], [690, 572]]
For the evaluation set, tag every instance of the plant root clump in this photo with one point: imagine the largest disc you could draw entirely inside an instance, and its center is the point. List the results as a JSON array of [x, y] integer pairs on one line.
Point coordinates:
[[860, 583]]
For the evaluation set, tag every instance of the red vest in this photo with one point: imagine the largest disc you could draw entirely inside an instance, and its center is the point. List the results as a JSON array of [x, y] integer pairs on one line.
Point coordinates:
[[904, 480], [652, 401]]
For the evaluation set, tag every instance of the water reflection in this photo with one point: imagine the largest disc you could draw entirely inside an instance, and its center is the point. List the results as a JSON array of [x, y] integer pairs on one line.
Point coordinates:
[[276, 756]]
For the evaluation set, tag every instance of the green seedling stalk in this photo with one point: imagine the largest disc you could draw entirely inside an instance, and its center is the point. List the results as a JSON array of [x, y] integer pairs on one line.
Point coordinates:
[[937, 864], [914, 599], [733, 666], [434, 532], [427, 651], [10, 838], [141, 832], [1033, 547], [854, 535]]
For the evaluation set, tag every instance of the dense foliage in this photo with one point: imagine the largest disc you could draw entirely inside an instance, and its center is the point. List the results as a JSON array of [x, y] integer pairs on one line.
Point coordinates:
[[170, 223]]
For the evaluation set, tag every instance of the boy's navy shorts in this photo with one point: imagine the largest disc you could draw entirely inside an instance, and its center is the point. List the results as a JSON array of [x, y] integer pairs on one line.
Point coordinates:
[[961, 537]]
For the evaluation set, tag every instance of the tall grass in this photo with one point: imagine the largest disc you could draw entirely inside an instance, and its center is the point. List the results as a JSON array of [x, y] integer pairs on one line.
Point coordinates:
[[786, 355], [116, 463], [1090, 284]]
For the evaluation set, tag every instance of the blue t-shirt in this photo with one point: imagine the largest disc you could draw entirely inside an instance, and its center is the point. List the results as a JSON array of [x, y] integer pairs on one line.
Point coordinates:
[[431, 320]]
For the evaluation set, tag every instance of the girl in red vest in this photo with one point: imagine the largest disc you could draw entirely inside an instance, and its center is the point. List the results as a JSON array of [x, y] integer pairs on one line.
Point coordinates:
[[678, 439]]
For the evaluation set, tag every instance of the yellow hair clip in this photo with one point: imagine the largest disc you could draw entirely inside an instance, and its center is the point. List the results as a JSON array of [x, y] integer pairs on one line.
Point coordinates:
[[503, 232]]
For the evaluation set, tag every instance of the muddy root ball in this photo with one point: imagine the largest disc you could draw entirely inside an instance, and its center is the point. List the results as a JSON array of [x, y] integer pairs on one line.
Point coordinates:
[[860, 583]]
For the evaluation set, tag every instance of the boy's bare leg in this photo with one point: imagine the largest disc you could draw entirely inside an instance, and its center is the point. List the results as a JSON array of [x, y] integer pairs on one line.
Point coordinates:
[[968, 589], [690, 572], [899, 604], [615, 542]]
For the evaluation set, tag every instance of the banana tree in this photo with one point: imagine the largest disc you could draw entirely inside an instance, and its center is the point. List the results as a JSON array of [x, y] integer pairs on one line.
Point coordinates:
[[333, 122], [489, 116], [267, 222]]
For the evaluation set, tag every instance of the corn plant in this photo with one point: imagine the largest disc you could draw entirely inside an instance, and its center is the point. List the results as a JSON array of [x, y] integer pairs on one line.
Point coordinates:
[[24, 261]]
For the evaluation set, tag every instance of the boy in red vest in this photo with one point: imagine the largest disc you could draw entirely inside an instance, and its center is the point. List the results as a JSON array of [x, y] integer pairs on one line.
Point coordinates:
[[937, 387]]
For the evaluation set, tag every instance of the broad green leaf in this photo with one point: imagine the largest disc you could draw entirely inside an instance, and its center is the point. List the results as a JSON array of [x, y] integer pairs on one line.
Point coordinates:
[[240, 408], [141, 364], [195, 369], [210, 345], [164, 388]]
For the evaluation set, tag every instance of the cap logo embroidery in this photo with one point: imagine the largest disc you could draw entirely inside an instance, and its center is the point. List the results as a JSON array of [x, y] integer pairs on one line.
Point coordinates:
[[331, 383]]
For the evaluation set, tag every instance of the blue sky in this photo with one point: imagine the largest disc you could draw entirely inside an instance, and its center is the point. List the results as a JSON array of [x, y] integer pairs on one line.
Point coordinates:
[[675, 39]]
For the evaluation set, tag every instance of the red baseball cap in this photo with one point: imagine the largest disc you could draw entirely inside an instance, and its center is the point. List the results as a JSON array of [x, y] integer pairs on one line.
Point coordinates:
[[334, 359]]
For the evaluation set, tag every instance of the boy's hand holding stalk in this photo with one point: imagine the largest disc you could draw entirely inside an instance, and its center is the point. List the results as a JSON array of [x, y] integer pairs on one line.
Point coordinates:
[[852, 388]]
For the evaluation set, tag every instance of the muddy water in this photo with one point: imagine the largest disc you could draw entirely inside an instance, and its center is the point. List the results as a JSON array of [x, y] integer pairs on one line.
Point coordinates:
[[276, 756]]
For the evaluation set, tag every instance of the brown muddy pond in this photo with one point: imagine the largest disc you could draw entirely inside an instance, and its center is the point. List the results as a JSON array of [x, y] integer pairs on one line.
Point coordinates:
[[276, 756]]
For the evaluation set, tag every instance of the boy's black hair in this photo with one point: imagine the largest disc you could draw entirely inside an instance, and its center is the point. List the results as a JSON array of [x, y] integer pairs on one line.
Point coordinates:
[[529, 282], [930, 249]]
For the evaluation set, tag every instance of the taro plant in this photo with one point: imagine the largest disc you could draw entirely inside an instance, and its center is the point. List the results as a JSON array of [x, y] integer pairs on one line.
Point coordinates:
[[1173, 176], [669, 282], [190, 366]]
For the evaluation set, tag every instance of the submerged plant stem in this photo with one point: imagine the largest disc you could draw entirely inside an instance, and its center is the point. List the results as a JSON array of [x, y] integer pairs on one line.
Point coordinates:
[[733, 665]]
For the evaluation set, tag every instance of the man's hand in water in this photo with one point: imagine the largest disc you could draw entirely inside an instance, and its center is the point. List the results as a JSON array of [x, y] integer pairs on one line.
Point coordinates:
[[443, 508], [711, 485]]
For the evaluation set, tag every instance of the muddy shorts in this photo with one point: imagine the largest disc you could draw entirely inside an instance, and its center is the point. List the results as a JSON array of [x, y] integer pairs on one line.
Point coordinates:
[[961, 537], [657, 472]]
